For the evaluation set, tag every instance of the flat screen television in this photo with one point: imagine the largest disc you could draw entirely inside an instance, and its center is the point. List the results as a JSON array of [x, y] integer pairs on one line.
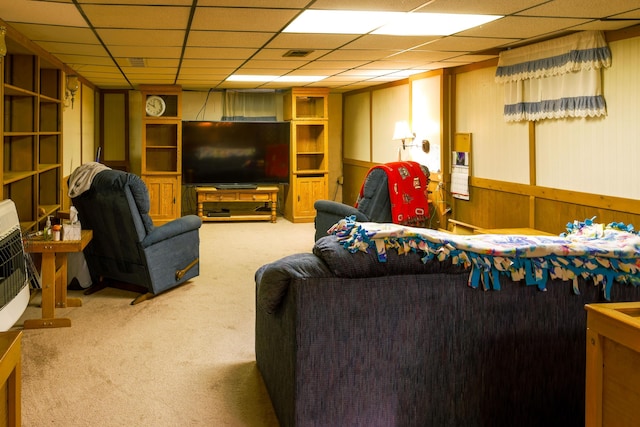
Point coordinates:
[[235, 153]]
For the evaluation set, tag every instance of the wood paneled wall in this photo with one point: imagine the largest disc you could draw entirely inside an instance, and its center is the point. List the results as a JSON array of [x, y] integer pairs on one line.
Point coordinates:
[[519, 179], [496, 204], [573, 169]]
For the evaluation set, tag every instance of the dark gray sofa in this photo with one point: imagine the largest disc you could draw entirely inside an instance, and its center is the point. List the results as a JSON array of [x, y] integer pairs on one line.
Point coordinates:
[[344, 340]]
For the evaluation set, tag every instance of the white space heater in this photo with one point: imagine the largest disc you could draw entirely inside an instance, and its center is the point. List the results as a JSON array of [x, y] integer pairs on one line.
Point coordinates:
[[14, 279]]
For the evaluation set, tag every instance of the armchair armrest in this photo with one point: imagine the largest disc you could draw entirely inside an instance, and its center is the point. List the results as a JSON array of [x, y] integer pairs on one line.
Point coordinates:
[[172, 228], [329, 212]]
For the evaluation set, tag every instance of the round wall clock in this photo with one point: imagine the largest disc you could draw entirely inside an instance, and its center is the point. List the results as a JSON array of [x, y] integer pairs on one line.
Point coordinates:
[[155, 106]]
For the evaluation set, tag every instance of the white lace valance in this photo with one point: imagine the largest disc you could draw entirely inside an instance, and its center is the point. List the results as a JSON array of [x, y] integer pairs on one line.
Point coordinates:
[[555, 79]]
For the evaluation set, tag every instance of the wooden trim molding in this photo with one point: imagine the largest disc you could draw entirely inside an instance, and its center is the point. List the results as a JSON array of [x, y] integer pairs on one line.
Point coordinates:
[[620, 204]]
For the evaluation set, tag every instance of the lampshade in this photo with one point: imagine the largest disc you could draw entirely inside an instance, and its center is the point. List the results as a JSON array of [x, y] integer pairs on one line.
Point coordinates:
[[70, 91], [72, 84], [402, 131]]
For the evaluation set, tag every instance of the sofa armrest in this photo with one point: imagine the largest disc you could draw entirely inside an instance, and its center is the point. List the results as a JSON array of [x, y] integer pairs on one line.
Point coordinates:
[[172, 228], [329, 212], [272, 280]]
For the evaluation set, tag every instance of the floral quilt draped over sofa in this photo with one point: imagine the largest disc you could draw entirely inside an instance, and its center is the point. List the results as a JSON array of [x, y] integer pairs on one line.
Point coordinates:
[[603, 253]]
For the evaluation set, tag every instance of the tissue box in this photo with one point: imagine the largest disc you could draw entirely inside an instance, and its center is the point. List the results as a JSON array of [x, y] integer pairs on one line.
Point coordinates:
[[71, 231]]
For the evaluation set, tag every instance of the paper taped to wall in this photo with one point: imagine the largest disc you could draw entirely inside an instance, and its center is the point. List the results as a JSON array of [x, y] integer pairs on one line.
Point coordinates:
[[460, 175]]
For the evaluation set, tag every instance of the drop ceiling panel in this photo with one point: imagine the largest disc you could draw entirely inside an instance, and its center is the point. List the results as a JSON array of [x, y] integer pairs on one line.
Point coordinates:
[[375, 41], [363, 72], [271, 64], [201, 72], [632, 14], [396, 6], [492, 7], [277, 54], [468, 59], [137, 71], [211, 63], [467, 44], [605, 25], [241, 19], [522, 27], [310, 41], [333, 66], [77, 62], [585, 9], [119, 37], [146, 51], [358, 54], [74, 48], [286, 4], [38, 33], [391, 65], [423, 55], [50, 13], [141, 17], [138, 2], [218, 53], [244, 36], [228, 39]]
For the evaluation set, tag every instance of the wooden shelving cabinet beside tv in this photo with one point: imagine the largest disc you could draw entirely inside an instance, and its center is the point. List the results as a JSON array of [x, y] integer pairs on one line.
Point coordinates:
[[307, 110], [162, 149], [32, 133]]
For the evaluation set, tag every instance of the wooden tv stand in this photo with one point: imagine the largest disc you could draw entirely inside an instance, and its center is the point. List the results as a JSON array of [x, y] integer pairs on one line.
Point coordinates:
[[261, 194]]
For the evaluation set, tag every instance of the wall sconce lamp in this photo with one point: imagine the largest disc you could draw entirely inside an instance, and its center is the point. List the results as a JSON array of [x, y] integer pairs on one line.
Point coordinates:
[[402, 132], [3, 43], [70, 92]]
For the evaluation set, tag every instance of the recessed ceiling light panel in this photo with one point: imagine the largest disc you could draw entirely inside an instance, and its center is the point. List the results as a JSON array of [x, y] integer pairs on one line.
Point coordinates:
[[339, 21], [385, 23], [432, 24]]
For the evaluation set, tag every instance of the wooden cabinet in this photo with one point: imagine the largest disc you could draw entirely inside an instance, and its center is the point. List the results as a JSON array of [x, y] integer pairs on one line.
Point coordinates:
[[162, 149], [163, 191], [307, 110], [32, 134], [613, 356], [309, 189]]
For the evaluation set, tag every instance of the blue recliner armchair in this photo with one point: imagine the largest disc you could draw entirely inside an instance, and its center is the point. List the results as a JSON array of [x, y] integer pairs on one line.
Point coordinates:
[[127, 248], [373, 205]]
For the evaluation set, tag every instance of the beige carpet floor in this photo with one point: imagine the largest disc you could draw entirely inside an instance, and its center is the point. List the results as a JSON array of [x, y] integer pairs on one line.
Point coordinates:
[[184, 358]]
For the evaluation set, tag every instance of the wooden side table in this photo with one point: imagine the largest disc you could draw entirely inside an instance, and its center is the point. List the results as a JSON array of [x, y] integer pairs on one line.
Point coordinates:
[[10, 377], [54, 292]]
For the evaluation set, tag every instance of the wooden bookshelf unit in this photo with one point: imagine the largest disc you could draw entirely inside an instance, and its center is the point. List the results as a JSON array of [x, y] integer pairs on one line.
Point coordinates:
[[162, 149], [265, 195], [32, 92], [307, 109]]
